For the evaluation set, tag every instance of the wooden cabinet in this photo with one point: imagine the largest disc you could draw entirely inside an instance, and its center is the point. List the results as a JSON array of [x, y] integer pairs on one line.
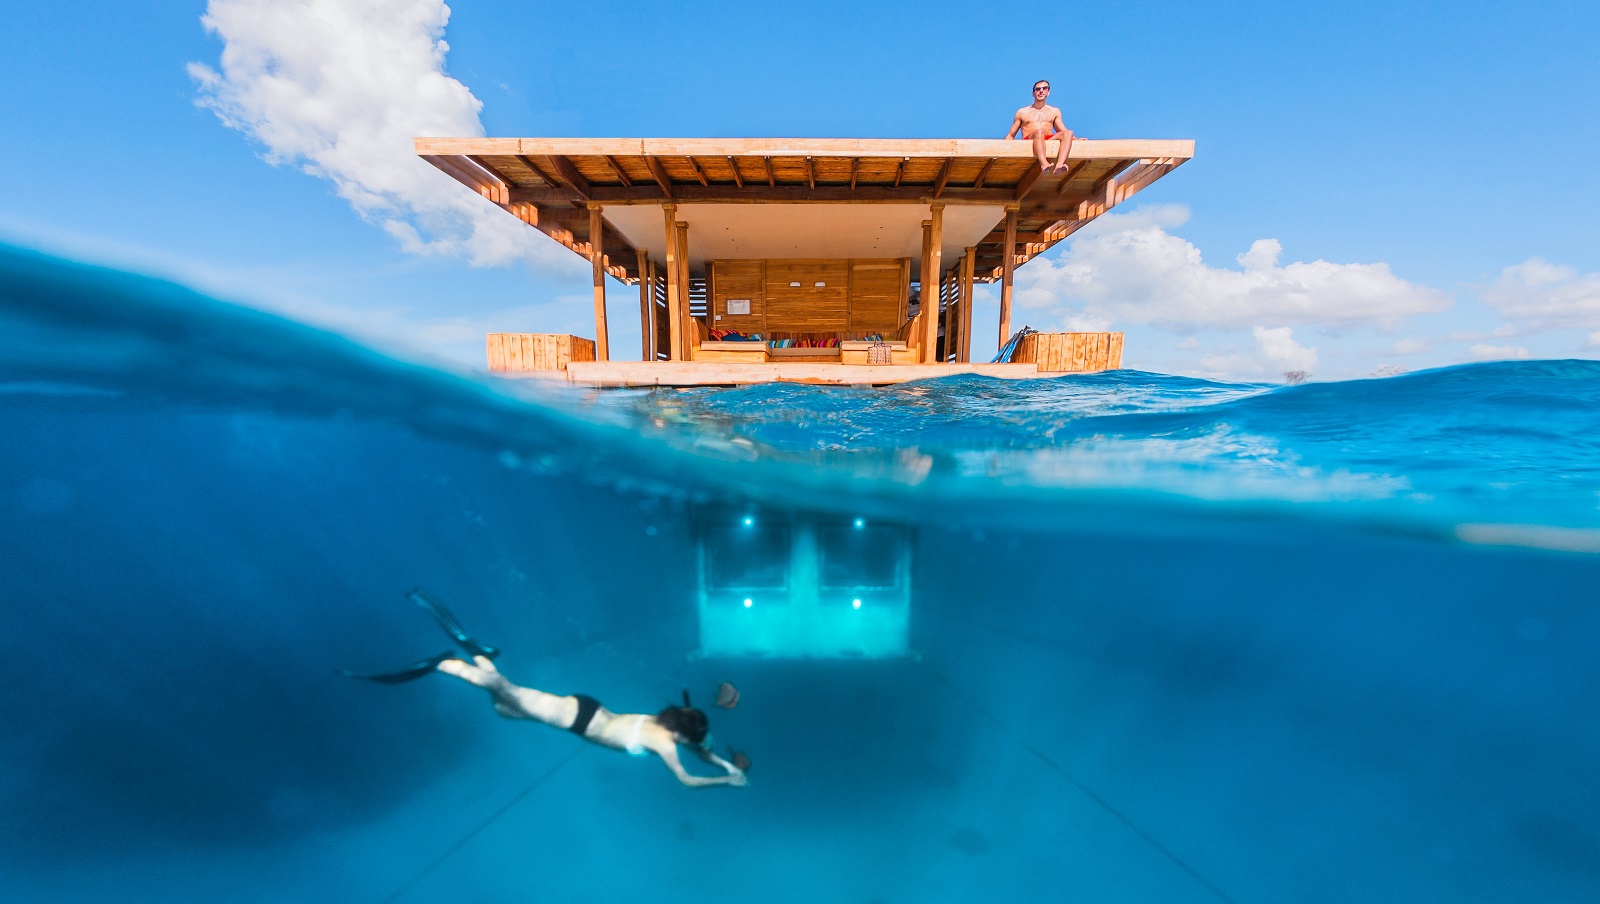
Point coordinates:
[[811, 296]]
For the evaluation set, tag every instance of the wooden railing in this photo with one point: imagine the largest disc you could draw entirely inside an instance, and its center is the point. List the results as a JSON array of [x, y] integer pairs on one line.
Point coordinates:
[[1070, 352], [533, 352]]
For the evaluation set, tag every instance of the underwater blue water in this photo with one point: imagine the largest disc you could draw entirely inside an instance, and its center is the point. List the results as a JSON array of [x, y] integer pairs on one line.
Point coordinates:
[[1173, 640]]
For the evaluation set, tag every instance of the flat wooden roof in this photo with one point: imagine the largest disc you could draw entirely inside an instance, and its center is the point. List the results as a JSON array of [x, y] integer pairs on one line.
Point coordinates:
[[742, 196]]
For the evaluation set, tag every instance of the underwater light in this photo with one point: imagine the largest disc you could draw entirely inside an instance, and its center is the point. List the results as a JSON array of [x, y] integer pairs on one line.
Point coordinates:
[[749, 521], [748, 602], [860, 523], [855, 603]]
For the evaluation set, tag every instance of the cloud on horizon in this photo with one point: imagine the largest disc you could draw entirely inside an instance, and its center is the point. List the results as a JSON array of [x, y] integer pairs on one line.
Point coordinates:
[[339, 88], [1126, 268], [1538, 295]]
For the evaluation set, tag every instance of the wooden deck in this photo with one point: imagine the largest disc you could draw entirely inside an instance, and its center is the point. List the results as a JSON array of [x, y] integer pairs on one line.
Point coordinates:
[[685, 373]]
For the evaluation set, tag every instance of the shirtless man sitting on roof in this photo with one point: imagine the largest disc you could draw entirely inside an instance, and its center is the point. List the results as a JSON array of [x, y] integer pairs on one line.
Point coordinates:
[[1042, 122]]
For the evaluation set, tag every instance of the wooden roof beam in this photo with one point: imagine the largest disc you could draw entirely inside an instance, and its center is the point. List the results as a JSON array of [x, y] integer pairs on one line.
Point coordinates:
[[855, 170], [900, 171], [698, 172], [729, 194], [944, 176], [738, 179], [772, 180], [503, 184], [1072, 170], [550, 180], [617, 168], [473, 180], [570, 173], [660, 172], [1025, 184], [983, 172]]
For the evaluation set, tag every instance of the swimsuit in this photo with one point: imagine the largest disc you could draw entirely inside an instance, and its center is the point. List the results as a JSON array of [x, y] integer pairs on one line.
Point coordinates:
[[587, 706]]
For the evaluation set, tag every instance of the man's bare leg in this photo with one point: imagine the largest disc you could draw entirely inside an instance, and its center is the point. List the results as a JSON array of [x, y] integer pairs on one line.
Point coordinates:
[[1061, 155], [1039, 150], [510, 700]]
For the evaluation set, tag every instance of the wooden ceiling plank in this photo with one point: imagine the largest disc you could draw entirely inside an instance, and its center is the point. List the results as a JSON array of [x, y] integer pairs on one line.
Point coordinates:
[[811, 175], [738, 179], [855, 170]]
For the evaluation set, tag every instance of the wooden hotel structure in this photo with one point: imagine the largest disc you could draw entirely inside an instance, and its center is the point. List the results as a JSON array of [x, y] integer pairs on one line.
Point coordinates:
[[853, 261]]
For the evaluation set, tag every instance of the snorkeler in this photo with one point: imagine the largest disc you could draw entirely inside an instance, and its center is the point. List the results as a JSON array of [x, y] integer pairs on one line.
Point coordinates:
[[637, 733]]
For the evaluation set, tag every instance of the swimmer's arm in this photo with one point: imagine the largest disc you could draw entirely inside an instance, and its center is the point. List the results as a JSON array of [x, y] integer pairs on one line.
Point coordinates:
[[1016, 123], [734, 776]]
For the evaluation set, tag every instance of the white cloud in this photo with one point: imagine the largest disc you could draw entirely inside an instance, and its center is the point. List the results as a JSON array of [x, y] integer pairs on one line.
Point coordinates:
[[339, 88], [1276, 351], [1537, 294], [1281, 351], [1127, 269], [1411, 346], [1594, 340], [1484, 352]]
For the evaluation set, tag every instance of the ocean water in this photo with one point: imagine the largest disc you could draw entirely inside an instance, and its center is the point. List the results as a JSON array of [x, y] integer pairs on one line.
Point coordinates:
[[1170, 640]]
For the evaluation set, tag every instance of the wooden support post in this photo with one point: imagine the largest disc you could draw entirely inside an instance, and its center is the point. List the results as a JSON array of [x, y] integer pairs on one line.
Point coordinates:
[[922, 281], [935, 265], [597, 260], [674, 286], [968, 270], [691, 337], [656, 325], [645, 332], [1008, 267]]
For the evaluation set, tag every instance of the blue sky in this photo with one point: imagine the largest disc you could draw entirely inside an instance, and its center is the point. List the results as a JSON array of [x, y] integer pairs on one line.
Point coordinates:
[[1436, 159]]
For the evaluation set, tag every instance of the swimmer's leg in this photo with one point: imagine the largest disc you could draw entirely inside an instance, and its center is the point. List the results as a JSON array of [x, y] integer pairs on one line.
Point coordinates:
[[409, 673], [510, 700], [452, 626]]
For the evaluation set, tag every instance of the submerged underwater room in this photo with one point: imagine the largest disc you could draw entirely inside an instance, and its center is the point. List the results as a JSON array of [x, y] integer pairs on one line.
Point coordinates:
[[1120, 637]]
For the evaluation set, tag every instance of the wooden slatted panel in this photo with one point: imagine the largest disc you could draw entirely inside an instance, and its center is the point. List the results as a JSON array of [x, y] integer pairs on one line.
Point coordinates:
[[527, 352], [1071, 352], [740, 279], [662, 319], [878, 293], [807, 307]]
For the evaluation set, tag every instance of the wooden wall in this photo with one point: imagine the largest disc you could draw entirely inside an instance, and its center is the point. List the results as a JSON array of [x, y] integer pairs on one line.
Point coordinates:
[[1070, 352], [812, 296], [523, 352]]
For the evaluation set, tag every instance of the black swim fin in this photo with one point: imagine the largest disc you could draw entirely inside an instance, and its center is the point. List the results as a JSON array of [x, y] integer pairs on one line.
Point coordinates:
[[451, 626], [409, 673]]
